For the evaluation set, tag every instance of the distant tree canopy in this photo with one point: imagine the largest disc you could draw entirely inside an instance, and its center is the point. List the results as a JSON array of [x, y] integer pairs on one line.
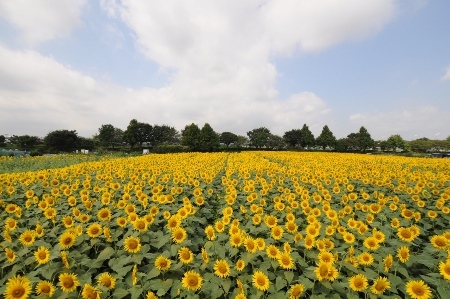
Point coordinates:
[[2, 140], [209, 140], [396, 141], [356, 141], [258, 137], [326, 138], [190, 137], [293, 137], [307, 137], [62, 141], [228, 138]]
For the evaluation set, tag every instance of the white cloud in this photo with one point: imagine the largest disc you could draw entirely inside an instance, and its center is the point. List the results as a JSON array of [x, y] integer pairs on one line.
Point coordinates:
[[42, 20], [447, 74], [38, 95], [410, 123], [219, 55]]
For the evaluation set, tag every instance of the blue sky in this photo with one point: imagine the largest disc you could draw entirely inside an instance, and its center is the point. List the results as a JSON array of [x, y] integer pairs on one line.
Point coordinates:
[[76, 65]]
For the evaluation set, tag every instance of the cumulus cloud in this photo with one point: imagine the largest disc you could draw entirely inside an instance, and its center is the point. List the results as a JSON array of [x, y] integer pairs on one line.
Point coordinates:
[[39, 21], [219, 55], [410, 123], [447, 75]]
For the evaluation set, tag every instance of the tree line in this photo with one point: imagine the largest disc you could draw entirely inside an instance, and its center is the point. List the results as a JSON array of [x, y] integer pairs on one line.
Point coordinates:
[[164, 138]]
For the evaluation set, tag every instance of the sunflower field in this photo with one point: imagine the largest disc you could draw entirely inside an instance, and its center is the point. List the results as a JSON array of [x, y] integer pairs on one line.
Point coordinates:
[[227, 225]]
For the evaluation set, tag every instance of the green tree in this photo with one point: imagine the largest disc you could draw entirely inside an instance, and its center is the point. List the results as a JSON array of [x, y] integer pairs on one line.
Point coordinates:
[[345, 144], [27, 142], [87, 143], [275, 142], [307, 138], [190, 137], [62, 141], [228, 138], [241, 141], [421, 145], [106, 135], [209, 139], [164, 134], [258, 137], [326, 138], [395, 142], [2, 140], [293, 137], [137, 133], [365, 141]]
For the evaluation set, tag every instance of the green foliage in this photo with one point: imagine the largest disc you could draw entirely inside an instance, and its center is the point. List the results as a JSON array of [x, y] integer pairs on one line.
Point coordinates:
[[137, 133], [106, 135], [209, 140], [228, 138], [326, 138], [170, 148], [307, 137], [191, 137], [293, 137], [396, 142], [62, 141], [258, 137]]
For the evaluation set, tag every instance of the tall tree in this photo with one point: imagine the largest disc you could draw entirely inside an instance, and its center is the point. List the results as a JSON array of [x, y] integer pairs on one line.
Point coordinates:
[[27, 142], [275, 142], [293, 137], [62, 141], [137, 133], [190, 137], [241, 141], [106, 135], [307, 138], [2, 140], [164, 134], [209, 140], [228, 138], [258, 137], [365, 141], [326, 138], [396, 142]]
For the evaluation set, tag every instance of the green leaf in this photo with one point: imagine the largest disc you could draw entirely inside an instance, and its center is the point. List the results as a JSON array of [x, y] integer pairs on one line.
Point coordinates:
[[164, 286], [226, 284], [153, 273], [136, 292], [444, 293], [280, 283], [120, 293], [289, 276]]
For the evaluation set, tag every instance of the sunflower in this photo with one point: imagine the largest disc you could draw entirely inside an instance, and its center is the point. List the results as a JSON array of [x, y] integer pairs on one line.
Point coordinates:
[[326, 257], [439, 242], [94, 230], [358, 282], [17, 287], [365, 258], [179, 235], [27, 237], [10, 255], [417, 289], [66, 240], [285, 260], [104, 214], [221, 268], [219, 226], [250, 245], [121, 221], [10, 224], [388, 262], [236, 240], [349, 238], [90, 292], [68, 282], [403, 254], [444, 269], [276, 232], [134, 278], [64, 259], [45, 288], [405, 234], [210, 233], [371, 243], [42, 255], [132, 244], [192, 281], [380, 285], [260, 281], [185, 255], [173, 222], [240, 265], [309, 242], [105, 279], [205, 256], [272, 251], [322, 270], [296, 291], [162, 263], [150, 295], [240, 296], [140, 225]]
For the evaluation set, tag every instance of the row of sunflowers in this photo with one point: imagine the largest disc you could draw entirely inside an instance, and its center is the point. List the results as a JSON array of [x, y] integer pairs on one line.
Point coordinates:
[[228, 225]]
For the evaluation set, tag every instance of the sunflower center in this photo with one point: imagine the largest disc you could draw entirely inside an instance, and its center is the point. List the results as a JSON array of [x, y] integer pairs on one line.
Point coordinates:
[[67, 241], [132, 244], [323, 270], [18, 292], [68, 283], [192, 281], [358, 283], [379, 286], [42, 255], [27, 239], [418, 290], [261, 281], [106, 282]]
